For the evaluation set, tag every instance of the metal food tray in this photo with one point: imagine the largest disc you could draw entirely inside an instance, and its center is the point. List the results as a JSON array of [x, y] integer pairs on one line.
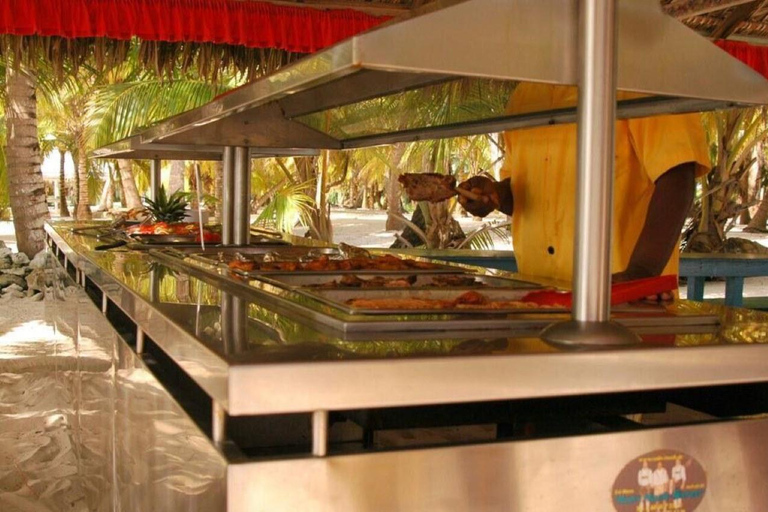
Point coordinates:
[[190, 240], [295, 253], [423, 281], [439, 269], [338, 299], [166, 239]]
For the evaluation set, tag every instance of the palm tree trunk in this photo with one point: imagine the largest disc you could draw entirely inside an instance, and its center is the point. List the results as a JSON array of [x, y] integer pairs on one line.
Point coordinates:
[[83, 210], [394, 206], [107, 193], [130, 191], [25, 180], [176, 180], [744, 195], [63, 208], [761, 216], [218, 186]]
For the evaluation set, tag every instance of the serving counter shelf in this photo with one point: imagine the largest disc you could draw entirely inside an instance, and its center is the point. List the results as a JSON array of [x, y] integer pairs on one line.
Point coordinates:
[[290, 396], [310, 355]]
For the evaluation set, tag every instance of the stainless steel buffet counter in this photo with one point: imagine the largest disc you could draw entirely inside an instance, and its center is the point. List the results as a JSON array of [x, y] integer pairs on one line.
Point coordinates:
[[253, 358]]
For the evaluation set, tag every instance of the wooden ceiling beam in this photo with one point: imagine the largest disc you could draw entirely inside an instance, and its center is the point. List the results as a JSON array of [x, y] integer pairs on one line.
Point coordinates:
[[731, 23], [372, 8], [688, 8]]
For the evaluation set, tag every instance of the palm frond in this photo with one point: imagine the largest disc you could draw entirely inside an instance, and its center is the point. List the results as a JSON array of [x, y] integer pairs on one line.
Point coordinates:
[[482, 238], [288, 206]]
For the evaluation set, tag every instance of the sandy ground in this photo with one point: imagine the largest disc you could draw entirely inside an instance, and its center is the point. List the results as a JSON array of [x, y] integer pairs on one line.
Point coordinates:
[[365, 228]]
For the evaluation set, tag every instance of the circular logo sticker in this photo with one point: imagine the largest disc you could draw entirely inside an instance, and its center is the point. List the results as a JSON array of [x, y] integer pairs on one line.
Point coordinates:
[[660, 481]]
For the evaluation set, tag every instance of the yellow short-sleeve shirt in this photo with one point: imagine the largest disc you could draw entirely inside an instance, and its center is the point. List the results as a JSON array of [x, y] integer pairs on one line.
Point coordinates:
[[542, 165]]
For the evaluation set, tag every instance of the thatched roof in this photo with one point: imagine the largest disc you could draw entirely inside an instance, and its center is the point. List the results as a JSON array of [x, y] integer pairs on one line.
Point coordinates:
[[723, 19]]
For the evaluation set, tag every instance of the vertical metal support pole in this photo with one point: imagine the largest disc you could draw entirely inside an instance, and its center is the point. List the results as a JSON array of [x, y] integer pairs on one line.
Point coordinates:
[[218, 424], [594, 205], [228, 196], [104, 302], [139, 341], [594, 202], [154, 179], [320, 433], [242, 203]]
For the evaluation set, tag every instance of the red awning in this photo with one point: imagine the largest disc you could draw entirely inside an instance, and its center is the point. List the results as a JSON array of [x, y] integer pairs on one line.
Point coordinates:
[[251, 24], [753, 56], [242, 23]]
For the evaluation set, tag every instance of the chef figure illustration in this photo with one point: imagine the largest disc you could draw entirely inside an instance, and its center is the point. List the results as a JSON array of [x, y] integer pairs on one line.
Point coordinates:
[[644, 482], [677, 484], [660, 482]]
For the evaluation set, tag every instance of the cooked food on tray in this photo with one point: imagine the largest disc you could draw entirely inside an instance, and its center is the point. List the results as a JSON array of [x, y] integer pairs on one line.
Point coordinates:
[[353, 281], [183, 229], [324, 263], [165, 216], [467, 300], [428, 186], [434, 187]]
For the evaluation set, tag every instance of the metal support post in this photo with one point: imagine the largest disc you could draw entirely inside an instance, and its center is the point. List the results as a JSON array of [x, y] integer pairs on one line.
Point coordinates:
[[218, 424], [228, 196], [104, 302], [320, 433], [591, 323], [139, 341], [154, 179], [242, 199]]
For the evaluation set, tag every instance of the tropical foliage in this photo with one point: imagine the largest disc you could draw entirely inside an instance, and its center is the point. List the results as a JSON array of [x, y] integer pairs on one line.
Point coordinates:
[[114, 89]]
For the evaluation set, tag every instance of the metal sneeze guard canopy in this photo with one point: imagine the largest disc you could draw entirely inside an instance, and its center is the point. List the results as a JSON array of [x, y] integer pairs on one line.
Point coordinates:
[[463, 57], [131, 148]]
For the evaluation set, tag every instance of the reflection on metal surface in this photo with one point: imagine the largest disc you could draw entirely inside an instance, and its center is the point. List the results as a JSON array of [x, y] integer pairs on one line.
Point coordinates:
[[84, 426]]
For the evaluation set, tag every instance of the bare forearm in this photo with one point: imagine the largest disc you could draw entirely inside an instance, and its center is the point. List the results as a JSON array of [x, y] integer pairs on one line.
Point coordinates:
[[669, 206]]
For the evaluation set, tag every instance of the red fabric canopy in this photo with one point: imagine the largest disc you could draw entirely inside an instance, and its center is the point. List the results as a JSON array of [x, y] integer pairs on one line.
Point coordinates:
[[251, 24], [243, 23], [755, 57]]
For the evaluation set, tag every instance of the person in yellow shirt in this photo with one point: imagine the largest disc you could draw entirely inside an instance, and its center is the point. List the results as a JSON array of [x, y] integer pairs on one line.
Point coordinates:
[[656, 162]]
